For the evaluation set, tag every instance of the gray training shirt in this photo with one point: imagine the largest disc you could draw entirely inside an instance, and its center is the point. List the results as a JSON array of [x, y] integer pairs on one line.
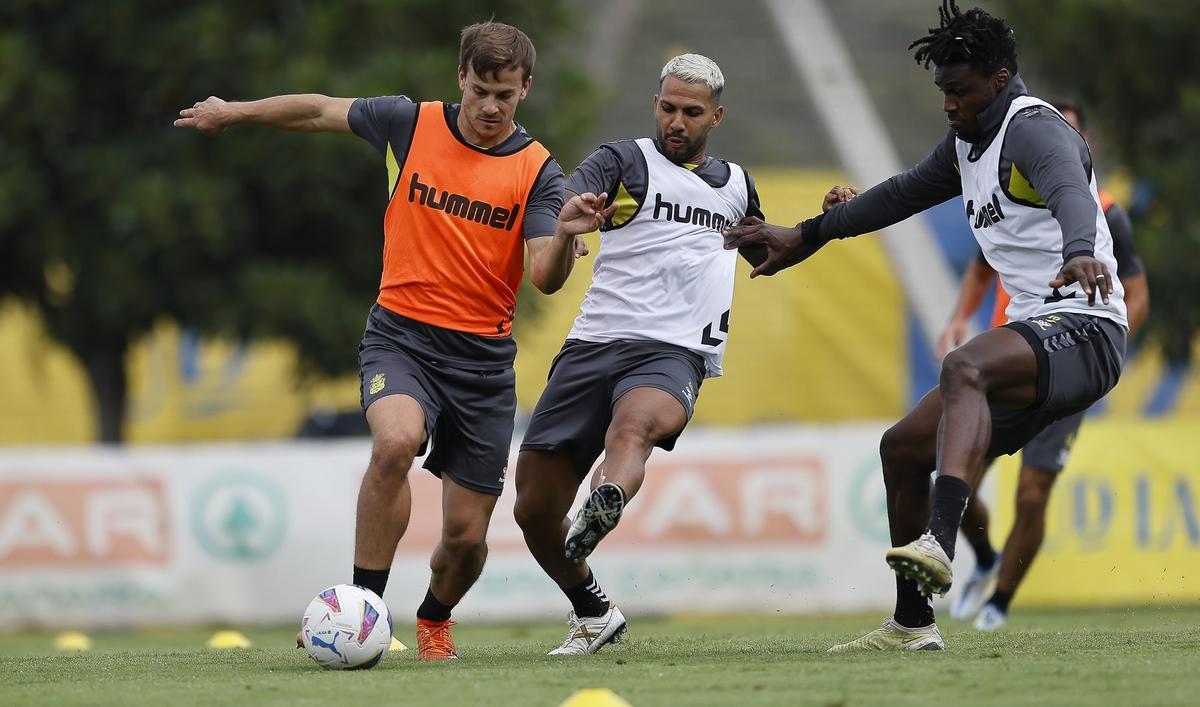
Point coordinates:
[[1044, 147]]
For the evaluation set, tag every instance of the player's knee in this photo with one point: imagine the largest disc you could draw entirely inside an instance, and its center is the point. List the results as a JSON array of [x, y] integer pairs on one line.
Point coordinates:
[[532, 515], [895, 450], [960, 372], [465, 538], [636, 429], [1032, 500], [393, 454]]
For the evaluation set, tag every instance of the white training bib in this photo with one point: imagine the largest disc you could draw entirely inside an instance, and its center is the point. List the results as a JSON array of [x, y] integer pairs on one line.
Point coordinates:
[[665, 275], [1024, 242]]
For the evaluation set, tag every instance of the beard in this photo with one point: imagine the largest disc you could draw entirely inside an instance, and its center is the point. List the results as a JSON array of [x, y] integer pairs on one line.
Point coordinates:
[[679, 153]]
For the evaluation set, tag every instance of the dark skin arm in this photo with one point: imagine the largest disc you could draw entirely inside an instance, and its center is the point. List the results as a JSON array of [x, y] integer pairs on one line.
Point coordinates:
[[786, 247], [771, 248], [783, 246], [755, 255]]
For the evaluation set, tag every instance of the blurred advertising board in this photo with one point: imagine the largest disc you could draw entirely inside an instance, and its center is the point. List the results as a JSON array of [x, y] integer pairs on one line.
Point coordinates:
[[762, 520], [1123, 525]]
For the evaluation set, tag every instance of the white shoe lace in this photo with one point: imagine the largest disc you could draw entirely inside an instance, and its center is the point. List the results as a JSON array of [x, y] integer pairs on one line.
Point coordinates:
[[605, 514], [575, 630], [929, 544]]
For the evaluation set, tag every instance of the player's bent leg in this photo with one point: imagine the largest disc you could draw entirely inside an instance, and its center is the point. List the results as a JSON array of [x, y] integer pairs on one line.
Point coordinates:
[[908, 453], [891, 636], [397, 425], [456, 564], [998, 366], [546, 486], [641, 418]]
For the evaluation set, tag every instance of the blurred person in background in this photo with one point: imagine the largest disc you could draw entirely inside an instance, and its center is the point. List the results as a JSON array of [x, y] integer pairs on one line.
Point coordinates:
[[651, 329], [991, 586], [1032, 203], [470, 191]]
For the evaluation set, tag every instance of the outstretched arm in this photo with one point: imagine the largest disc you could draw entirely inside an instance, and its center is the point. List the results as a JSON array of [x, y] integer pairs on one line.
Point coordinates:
[[308, 112], [934, 180], [552, 258]]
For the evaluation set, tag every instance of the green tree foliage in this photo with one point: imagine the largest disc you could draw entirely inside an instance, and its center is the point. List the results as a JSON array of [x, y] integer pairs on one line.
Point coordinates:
[[112, 220], [1136, 67]]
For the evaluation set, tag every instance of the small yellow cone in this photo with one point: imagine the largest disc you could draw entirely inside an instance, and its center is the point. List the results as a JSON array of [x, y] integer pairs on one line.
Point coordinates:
[[72, 641], [397, 646], [228, 639], [595, 697]]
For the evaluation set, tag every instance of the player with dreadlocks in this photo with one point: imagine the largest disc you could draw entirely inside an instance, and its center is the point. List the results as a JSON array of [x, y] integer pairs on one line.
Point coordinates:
[[1031, 201]]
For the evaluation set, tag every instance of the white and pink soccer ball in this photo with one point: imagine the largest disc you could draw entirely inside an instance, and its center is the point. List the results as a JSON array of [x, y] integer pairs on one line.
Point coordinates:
[[346, 627]]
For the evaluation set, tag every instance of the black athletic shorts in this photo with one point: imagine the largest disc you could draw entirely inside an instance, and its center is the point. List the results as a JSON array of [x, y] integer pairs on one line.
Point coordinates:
[[587, 379], [1051, 448], [468, 413], [1079, 360]]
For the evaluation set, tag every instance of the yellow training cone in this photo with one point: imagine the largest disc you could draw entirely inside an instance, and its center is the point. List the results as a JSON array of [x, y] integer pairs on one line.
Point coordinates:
[[228, 639], [595, 697], [72, 641], [397, 645]]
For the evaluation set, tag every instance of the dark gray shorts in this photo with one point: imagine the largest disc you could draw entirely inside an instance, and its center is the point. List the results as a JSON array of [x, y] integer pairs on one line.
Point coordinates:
[[1049, 450], [1079, 360], [587, 379], [468, 413]]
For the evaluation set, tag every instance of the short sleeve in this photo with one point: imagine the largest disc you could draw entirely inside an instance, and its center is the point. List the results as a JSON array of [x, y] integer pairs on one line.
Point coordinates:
[[383, 120], [545, 202]]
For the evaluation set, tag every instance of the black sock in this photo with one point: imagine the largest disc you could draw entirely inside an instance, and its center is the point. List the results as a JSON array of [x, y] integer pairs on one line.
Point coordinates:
[[587, 598], [985, 556], [913, 609], [375, 580], [1000, 600], [433, 610], [949, 501]]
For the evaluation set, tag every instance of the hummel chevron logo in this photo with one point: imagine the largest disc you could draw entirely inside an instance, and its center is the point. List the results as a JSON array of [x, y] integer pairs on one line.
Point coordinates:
[[708, 339]]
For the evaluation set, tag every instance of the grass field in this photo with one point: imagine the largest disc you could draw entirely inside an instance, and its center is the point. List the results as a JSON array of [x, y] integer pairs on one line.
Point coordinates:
[[1114, 657]]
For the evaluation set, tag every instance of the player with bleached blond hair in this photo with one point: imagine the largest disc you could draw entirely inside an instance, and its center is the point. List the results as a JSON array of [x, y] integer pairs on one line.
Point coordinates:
[[652, 328]]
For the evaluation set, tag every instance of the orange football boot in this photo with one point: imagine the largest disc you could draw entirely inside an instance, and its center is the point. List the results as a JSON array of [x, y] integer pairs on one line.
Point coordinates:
[[434, 641]]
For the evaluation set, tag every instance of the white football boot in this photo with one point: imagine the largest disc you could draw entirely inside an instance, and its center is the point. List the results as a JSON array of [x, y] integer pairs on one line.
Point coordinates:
[[976, 591], [588, 634], [990, 618], [891, 636], [924, 562]]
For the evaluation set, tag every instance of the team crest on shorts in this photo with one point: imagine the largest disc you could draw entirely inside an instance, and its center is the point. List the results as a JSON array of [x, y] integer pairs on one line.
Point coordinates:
[[377, 383]]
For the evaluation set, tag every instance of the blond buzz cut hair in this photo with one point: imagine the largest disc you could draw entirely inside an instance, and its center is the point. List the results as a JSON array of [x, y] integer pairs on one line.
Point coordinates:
[[695, 68]]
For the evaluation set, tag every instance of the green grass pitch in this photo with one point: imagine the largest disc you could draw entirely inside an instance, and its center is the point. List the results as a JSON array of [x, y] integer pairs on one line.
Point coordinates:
[[1098, 657]]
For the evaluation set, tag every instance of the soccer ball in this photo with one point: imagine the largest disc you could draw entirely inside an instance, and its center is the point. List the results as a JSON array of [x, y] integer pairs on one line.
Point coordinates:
[[346, 627]]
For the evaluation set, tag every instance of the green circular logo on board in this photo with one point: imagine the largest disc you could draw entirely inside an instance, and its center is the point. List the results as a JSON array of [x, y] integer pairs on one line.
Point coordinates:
[[239, 516]]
